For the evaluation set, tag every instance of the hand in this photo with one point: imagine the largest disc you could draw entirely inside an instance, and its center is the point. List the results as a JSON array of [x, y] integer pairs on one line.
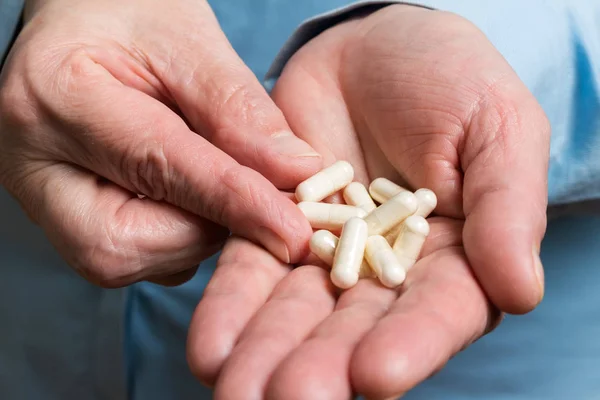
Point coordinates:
[[105, 100], [423, 93]]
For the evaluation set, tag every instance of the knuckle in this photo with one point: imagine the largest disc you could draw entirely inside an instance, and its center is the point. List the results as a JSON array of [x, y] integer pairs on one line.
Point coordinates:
[[245, 198], [40, 80], [234, 100], [148, 170], [493, 130], [104, 263], [16, 110], [218, 210], [234, 105], [37, 91], [73, 76]]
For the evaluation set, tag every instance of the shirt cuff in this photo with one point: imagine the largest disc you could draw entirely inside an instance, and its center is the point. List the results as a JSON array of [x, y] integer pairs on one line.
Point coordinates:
[[312, 27]]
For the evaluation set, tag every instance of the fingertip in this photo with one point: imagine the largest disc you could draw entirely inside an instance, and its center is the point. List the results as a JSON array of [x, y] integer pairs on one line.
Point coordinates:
[[286, 172], [207, 347], [300, 377], [499, 248], [372, 380], [291, 244], [253, 208]]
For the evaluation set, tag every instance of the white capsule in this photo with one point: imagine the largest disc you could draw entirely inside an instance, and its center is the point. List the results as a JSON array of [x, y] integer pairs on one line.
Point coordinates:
[[427, 202], [325, 182], [391, 213], [411, 238], [383, 261], [323, 244], [393, 233], [382, 189], [329, 216], [349, 253], [355, 194]]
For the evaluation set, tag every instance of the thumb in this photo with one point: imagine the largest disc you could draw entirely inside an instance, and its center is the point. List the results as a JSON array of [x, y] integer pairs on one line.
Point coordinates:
[[505, 197], [224, 102], [494, 172]]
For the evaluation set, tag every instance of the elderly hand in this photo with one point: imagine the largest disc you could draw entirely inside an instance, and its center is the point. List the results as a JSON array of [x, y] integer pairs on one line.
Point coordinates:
[[106, 100], [414, 95]]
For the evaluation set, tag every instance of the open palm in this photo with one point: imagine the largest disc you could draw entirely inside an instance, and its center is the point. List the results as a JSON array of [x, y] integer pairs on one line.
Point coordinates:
[[419, 97]]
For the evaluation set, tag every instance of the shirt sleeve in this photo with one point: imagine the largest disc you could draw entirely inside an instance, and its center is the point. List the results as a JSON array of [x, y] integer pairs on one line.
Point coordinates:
[[320, 23], [554, 46], [10, 13]]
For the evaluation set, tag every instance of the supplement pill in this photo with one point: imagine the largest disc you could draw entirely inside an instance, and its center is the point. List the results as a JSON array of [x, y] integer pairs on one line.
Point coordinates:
[[427, 202], [323, 244], [391, 213], [329, 216], [383, 261], [349, 253], [411, 238], [325, 182], [382, 189], [355, 194]]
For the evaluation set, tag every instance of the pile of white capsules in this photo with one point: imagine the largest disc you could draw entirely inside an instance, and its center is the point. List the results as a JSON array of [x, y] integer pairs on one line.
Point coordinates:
[[383, 241]]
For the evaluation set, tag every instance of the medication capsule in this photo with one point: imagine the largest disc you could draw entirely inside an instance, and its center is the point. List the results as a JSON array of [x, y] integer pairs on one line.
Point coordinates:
[[325, 182], [383, 261], [323, 244], [355, 194], [329, 216], [349, 253], [393, 233], [391, 213], [382, 189], [411, 238], [427, 202]]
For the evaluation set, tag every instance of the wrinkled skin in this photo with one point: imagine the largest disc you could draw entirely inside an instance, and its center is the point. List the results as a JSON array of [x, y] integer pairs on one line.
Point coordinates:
[[101, 101], [425, 94]]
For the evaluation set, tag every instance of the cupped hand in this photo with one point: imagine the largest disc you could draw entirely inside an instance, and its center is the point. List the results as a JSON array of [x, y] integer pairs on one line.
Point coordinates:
[[103, 101], [420, 97], [266, 331]]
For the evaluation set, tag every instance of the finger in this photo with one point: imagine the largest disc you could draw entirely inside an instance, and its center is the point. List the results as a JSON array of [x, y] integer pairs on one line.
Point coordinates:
[[245, 277], [110, 236], [223, 101], [506, 161], [441, 309], [320, 364], [298, 303], [321, 361], [138, 143]]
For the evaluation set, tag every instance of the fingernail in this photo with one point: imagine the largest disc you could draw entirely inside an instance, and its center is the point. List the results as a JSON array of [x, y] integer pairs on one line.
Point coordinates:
[[286, 143], [273, 243], [539, 270]]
